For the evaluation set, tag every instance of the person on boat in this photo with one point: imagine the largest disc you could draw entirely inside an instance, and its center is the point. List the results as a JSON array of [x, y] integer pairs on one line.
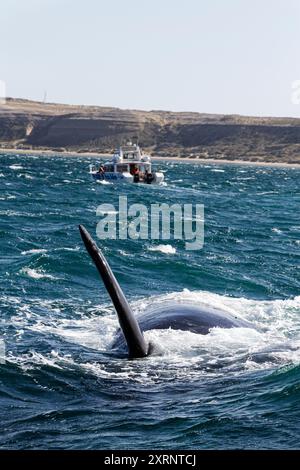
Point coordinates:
[[136, 174], [148, 177], [101, 170], [133, 169]]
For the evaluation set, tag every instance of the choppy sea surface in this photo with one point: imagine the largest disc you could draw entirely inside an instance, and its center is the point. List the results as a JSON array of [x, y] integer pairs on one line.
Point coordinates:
[[62, 386]]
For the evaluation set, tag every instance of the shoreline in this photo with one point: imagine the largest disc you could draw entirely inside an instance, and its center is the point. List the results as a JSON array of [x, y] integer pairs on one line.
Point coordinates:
[[216, 161], [200, 161], [52, 153]]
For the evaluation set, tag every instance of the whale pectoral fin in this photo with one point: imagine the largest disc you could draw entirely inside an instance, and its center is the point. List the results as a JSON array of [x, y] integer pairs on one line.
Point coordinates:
[[137, 346]]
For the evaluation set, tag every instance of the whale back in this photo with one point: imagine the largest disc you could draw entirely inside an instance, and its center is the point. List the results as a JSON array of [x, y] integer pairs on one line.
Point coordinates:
[[178, 316], [198, 319], [182, 316]]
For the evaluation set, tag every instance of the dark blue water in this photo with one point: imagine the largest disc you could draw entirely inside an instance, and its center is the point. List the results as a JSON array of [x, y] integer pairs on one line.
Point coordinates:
[[62, 386]]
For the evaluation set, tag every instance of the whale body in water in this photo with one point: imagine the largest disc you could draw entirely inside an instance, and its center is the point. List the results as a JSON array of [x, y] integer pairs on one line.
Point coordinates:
[[178, 316]]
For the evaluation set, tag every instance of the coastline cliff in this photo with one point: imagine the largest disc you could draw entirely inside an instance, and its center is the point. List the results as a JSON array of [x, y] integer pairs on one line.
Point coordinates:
[[34, 125]]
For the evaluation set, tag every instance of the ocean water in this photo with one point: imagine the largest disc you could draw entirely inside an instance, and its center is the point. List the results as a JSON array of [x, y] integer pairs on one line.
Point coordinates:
[[62, 386]]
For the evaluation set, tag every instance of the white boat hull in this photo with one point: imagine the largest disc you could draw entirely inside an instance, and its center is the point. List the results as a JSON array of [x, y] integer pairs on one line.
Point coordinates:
[[111, 176], [129, 165], [125, 177]]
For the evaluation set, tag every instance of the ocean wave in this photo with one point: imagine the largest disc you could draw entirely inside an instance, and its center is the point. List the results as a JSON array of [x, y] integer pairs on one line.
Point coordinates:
[[16, 167], [124, 253], [33, 251], [166, 249], [266, 193], [67, 248], [104, 182], [11, 213], [100, 212], [37, 274], [230, 388], [26, 176]]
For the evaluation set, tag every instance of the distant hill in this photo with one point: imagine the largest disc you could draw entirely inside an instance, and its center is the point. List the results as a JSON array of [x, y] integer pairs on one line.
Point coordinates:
[[35, 125]]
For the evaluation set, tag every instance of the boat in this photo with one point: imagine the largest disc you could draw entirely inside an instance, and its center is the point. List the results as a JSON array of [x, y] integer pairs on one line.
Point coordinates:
[[129, 164]]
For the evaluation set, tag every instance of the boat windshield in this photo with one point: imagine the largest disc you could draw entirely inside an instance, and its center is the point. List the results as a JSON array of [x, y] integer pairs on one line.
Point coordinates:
[[122, 168], [109, 168], [130, 156]]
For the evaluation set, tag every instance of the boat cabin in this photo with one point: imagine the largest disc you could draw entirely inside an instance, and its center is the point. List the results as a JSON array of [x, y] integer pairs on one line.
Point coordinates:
[[130, 164]]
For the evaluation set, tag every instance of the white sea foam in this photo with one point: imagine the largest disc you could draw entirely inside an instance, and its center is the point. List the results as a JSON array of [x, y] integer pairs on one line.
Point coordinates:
[[276, 230], [265, 193], [16, 167], [166, 249], [33, 251], [37, 274], [25, 175], [67, 248], [11, 213], [273, 342], [103, 182], [123, 253], [87, 332]]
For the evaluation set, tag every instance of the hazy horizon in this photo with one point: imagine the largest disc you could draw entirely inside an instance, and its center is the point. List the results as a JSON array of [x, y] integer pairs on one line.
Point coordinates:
[[206, 57]]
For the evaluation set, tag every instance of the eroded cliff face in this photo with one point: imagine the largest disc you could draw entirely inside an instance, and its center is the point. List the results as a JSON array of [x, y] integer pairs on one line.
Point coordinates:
[[28, 124]]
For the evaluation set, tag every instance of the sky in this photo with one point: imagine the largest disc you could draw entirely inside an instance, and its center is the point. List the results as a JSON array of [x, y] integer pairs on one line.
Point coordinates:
[[212, 56]]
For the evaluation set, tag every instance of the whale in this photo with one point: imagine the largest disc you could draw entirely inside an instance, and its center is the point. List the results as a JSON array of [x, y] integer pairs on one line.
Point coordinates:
[[199, 319]]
